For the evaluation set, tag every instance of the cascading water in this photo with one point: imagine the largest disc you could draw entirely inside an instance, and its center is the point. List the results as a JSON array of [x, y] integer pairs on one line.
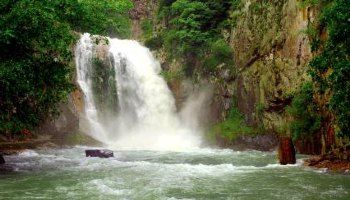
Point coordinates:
[[145, 116]]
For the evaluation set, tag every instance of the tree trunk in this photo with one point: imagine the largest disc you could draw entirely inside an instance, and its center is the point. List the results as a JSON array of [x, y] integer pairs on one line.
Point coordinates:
[[286, 151]]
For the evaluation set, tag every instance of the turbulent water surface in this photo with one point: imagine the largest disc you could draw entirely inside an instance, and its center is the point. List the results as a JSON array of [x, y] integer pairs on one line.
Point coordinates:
[[191, 174]]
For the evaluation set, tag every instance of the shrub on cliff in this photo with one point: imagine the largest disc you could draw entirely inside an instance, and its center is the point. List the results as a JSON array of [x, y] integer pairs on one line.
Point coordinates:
[[303, 109], [232, 127], [194, 31]]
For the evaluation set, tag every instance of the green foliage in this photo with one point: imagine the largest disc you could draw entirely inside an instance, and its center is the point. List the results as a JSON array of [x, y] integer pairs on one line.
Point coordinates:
[[154, 42], [220, 53], [331, 68], [233, 126], [194, 31], [36, 40], [306, 3], [163, 3], [107, 17], [303, 109], [188, 25], [147, 28], [259, 109], [168, 75]]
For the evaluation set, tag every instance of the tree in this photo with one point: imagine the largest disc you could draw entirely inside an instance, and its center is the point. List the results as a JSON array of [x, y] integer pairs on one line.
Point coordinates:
[[36, 42], [330, 69]]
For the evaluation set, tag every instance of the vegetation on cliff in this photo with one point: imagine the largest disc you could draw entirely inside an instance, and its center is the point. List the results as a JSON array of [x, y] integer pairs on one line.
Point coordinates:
[[303, 108], [233, 126], [330, 69], [260, 43], [36, 42], [193, 32], [320, 110]]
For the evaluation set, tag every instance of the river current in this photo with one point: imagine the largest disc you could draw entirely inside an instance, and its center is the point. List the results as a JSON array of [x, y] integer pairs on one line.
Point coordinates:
[[189, 174]]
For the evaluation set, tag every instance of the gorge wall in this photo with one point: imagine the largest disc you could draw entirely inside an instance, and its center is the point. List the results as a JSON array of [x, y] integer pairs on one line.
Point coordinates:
[[271, 52]]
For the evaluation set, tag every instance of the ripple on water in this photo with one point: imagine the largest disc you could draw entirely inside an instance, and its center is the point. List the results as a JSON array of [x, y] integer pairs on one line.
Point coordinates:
[[207, 174]]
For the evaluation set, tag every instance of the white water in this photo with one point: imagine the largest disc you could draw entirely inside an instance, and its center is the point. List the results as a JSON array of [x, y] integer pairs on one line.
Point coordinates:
[[191, 174], [83, 62], [147, 117]]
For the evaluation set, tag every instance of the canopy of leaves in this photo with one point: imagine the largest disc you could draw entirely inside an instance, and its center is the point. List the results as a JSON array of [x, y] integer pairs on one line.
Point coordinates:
[[194, 22], [36, 42], [195, 29], [331, 68]]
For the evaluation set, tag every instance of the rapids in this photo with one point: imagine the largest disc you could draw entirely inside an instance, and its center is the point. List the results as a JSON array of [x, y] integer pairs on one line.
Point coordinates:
[[191, 174]]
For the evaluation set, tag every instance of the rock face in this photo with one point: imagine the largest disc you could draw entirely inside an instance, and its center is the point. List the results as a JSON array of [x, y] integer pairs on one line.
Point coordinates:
[[267, 142], [68, 119], [101, 153], [271, 53], [286, 151], [143, 9], [264, 142]]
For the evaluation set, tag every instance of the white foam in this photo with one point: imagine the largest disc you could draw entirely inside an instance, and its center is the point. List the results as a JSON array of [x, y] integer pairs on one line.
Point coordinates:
[[107, 187], [28, 153], [147, 118]]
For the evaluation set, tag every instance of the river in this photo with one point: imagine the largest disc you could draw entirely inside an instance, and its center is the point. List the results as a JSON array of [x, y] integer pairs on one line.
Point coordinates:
[[189, 174]]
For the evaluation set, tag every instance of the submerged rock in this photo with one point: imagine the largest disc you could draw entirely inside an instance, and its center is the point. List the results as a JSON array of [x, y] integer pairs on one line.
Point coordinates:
[[101, 153], [2, 160]]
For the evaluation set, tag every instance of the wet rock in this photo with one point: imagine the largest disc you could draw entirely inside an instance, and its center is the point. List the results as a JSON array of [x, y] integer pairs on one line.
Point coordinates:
[[259, 142], [336, 160], [101, 153], [312, 161], [286, 151], [266, 142], [324, 162], [2, 160]]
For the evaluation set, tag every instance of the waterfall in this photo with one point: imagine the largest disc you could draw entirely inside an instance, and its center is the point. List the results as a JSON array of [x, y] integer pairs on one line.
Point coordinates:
[[128, 105]]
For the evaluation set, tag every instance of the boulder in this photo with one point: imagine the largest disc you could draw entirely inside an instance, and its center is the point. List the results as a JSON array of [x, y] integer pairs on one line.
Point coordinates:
[[2, 160], [101, 153]]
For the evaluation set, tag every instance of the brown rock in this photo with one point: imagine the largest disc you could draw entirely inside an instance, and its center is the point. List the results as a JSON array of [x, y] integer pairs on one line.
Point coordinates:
[[286, 151], [101, 153]]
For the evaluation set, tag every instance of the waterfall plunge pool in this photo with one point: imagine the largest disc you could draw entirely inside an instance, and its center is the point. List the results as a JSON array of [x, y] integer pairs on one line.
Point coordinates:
[[190, 174]]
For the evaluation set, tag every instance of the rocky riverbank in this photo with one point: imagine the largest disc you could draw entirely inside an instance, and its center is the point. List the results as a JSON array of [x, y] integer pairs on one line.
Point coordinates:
[[331, 164], [8, 147]]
